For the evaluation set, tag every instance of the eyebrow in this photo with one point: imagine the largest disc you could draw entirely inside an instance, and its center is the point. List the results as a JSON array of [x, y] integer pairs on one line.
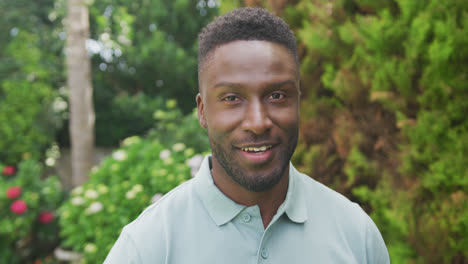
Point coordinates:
[[237, 85]]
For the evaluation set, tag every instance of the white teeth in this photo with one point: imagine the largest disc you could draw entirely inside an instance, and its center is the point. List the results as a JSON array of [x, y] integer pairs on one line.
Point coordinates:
[[260, 149]]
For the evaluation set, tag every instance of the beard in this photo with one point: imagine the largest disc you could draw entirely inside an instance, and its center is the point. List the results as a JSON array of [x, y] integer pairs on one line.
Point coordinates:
[[252, 180]]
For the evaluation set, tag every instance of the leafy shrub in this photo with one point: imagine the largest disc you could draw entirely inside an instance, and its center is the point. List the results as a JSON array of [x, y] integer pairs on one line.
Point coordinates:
[[123, 116], [118, 117], [385, 112], [172, 126], [26, 118], [28, 227], [117, 191], [147, 48]]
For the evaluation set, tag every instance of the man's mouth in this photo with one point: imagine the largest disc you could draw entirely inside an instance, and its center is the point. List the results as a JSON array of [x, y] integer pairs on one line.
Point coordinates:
[[259, 149]]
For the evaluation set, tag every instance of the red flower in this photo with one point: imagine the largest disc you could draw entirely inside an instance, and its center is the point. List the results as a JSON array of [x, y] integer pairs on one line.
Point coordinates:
[[46, 217], [18, 207], [9, 170], [13, 192]]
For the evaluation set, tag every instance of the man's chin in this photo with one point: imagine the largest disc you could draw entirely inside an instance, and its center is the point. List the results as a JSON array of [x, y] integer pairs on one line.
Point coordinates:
[[260, 181]]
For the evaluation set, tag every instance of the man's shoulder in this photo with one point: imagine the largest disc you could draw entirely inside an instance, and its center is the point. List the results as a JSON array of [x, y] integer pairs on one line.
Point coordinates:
[[172, 204], [342, 221], [322, 199]]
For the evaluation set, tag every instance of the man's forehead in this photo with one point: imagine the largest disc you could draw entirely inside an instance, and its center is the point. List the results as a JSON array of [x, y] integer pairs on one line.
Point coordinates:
[[246, 53]]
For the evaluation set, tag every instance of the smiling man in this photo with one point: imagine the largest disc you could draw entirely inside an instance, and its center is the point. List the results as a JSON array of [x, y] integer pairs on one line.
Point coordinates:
[[248, 204]]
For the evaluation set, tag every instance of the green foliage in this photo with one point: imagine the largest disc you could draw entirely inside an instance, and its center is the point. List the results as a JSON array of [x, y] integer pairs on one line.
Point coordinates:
[[23, 238], [396, 139], [228, 5], [149, 46], [27, 120], [30, 70], [393, 222], [124, 184], [144, 52], [117, 191], [173, 127], [122, 116]]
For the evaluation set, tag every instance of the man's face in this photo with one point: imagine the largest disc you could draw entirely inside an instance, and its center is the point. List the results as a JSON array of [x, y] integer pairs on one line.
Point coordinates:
[[249, 103]]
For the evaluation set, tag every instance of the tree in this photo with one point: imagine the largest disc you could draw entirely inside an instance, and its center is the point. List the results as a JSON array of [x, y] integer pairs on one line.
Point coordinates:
[[81, 91], [143, 53], [148, 47]]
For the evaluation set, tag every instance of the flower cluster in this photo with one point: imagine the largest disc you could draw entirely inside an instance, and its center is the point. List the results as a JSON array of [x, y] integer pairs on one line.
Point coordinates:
[[9, 170], [19, 206], [27, 205], [130, 179]]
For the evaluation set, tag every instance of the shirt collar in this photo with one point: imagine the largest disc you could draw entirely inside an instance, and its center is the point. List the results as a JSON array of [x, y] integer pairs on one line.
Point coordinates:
[[222, 209], [295, 204]]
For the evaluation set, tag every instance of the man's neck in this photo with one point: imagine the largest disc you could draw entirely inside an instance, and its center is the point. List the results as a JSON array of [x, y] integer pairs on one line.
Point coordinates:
[[268, 201]]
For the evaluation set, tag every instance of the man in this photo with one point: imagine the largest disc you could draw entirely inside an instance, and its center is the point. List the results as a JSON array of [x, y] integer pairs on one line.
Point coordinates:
[[248, 204]]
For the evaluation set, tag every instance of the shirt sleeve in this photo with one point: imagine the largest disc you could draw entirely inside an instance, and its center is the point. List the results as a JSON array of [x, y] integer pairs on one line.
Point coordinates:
[[375, 246], [124, 251]]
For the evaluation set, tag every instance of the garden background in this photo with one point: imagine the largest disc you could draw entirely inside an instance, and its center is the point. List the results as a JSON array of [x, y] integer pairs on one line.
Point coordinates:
[[384, 118]]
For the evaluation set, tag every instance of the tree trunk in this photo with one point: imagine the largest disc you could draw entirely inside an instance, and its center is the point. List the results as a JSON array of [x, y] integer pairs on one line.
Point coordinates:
[[81, 91]]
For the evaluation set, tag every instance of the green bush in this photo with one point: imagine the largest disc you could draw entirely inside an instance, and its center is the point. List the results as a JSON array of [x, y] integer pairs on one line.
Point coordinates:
[[28, 226], [122, 116], [172, 126], [27, 120], [118, 190], [150, 47], [385, 116]]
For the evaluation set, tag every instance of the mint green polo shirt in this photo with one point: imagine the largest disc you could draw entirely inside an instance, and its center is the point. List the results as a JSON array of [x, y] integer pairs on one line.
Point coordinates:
[[197, 223]]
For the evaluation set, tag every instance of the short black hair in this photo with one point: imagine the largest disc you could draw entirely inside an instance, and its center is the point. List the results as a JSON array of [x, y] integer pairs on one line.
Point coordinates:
[[246, 23]]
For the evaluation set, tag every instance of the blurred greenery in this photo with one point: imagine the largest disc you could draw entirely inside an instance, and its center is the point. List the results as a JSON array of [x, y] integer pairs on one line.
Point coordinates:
[[27, 120], [173, 127], [384, 116], [385, 100]]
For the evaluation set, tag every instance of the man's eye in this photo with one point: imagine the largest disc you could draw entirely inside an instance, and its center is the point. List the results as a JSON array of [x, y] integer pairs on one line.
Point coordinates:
[[277, 96], [230, 98]]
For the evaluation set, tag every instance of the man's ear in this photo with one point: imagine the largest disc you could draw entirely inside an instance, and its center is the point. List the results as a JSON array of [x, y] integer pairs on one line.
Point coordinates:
[[201, 111]]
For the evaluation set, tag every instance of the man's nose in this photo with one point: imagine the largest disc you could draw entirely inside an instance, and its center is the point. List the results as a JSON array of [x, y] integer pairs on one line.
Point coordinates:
[[256, 118]]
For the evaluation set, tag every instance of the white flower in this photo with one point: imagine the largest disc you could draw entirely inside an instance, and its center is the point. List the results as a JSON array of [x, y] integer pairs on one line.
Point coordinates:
[[91, 194], [165, 154], [156, 197], [194, 163], [130, 194], [119, 155], [90, 248], [94, 208], [77, 200], [178, 147], [50, 162], [59, 105]]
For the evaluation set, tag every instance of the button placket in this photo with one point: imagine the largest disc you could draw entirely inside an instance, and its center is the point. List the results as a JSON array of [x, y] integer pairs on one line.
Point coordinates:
[[264, 253], [246, 217]]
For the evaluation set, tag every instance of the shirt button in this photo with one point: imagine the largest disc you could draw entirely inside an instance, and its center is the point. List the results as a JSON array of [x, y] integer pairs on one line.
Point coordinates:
[[264, 253], [246, 218]]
